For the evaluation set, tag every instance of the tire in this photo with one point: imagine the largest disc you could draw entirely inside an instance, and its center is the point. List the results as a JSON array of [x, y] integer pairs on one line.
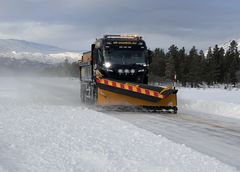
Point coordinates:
[[93, 95], [83, 93], [175, 109]]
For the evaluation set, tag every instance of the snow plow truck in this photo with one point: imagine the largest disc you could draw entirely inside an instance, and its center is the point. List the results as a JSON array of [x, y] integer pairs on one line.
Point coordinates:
[[115, 74]]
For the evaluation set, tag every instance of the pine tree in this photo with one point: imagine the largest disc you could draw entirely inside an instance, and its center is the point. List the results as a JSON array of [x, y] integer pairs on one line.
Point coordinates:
[[170, 71], [232, 63], [184, 67], [215, 64], [157, 67], [194, 67], [172, 63], [222, 65], [201, 65], [208, 67]]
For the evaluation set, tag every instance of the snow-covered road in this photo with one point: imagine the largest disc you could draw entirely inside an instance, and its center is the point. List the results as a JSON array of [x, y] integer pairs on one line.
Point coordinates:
[[215, 136], [43, 127]]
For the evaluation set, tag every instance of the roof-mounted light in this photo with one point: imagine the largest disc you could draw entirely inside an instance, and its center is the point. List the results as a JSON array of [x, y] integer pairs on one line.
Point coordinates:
[[127, 36]]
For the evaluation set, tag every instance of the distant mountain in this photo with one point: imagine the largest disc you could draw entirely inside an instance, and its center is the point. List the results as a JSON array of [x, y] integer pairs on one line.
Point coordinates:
[[21, 49], [9, 45], [225, 45]]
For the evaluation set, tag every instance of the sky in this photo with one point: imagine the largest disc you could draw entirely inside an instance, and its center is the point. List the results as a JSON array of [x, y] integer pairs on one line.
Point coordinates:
[[75, 24]]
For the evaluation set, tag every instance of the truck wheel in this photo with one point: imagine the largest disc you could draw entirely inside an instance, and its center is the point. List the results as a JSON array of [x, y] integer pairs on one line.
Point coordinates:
[[94, 98], [83, 94], [175, 109]]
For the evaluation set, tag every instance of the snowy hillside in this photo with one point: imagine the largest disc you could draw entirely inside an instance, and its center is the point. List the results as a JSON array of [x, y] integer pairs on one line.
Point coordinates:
[[20, 49], [10, 45]]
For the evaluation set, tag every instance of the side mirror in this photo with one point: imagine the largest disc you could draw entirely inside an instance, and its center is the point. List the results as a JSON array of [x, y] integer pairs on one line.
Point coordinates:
[[92, 47], [149, 56]]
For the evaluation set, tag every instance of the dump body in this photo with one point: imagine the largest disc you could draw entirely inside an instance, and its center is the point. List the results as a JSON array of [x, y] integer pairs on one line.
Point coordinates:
[[115, 73]]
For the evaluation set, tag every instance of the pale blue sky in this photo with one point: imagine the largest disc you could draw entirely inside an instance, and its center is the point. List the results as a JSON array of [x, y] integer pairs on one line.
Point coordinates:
[[74, 24]]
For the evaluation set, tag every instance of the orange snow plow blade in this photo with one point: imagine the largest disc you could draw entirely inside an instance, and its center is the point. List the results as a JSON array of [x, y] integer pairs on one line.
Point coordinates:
[[118, 93]]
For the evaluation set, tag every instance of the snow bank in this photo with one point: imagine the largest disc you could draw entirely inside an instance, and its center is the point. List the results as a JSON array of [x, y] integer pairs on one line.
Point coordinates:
[[210, 101]]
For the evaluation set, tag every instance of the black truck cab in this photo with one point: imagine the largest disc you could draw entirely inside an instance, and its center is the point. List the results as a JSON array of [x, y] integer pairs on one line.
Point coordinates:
[[121, 57]]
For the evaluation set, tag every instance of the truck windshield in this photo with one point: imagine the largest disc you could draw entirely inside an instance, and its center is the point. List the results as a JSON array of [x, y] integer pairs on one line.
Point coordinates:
[[125, 57]]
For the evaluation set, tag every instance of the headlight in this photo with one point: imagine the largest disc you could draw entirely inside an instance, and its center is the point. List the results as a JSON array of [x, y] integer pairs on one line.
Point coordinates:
[[107, 64], [126, 71], [132, 71], [120, 71], [141, 70]]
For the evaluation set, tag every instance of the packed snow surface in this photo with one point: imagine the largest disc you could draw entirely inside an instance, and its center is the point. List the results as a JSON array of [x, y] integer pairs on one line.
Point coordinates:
[[215, 101], [43, 128]]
